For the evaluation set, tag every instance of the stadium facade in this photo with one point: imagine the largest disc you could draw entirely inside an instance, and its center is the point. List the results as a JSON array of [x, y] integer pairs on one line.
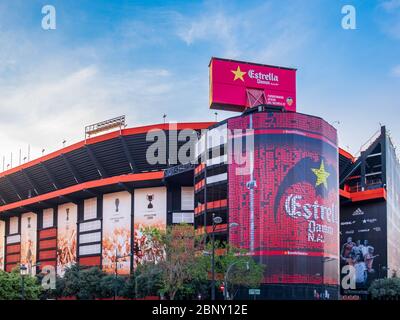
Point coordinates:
[[284, 190]]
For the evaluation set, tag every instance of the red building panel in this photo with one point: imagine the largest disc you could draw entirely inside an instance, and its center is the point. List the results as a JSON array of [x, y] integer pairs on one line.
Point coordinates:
[[47, 255], [15, 248], [48, 233], [90, 261], [47, 244]]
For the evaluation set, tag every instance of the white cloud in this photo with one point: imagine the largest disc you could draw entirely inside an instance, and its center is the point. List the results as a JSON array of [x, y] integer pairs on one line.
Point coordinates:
[[211, 27], [396, 71], [390, 5]]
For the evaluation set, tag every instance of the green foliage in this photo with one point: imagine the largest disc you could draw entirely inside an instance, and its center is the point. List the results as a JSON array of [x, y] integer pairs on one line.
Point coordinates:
[[11, 284], [180, 259], [84, 283], [146, 281], [111, 285], [385, 289], [231, 264], [186, 274]]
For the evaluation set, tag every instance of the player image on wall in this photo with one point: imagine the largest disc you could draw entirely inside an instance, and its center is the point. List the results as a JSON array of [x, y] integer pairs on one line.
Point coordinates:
[[66, 237], [362, 228], [28, 241], [150, 218], [116, 232], [2, 240]]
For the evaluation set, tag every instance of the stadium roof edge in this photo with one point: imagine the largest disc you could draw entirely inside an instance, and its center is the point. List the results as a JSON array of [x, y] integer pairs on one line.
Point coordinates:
[[104, 137]]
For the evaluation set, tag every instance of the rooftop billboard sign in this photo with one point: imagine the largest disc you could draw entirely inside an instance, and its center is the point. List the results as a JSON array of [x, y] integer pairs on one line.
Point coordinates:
[[238, 85]]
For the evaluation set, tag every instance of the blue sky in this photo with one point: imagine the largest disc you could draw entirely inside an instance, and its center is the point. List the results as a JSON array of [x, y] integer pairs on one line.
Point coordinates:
[[146, 58]]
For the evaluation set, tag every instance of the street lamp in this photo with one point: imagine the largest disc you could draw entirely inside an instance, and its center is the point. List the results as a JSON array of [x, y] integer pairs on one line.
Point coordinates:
[[117, 258], [226, 294], [23, 270], [215, 221]]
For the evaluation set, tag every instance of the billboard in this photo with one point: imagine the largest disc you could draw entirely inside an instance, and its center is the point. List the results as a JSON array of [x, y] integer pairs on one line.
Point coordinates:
[[2, 241], [29, 241], [362, 242], [117, 232], [237, 85], [150, 212], [66, 236], [287, 205]]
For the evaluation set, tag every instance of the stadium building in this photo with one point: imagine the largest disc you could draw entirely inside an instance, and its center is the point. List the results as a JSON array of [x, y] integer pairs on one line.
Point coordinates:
[[370, 214], [283, 190]]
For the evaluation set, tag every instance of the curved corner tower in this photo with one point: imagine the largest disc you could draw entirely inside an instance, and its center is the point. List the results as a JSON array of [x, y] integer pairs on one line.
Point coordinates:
[[283, 201]]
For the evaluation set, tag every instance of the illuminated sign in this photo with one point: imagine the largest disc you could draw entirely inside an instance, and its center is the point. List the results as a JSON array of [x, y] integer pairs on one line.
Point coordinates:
[[237, 85]]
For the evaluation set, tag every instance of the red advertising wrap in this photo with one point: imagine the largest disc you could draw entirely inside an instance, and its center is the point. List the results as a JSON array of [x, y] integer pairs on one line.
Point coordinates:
[[237, 85], [287, 207]]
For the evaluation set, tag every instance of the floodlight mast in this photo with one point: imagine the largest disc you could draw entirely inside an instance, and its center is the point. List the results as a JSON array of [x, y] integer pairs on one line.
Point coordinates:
[[106, 125]]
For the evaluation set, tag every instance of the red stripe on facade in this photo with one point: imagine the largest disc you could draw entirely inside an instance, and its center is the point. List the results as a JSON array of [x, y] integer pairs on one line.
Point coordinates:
[[157, 175]]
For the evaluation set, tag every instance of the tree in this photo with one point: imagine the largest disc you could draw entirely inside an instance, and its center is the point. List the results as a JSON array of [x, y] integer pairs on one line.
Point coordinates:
[[147, 280], [82, 282], [11, 285], [233, 265], [111, 285], [177, 267], [385, 289]]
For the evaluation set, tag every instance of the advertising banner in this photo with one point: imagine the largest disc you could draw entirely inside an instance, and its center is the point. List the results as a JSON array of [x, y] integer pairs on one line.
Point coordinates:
[[13, 225], [287, 206], [151, 214], [2, 243], [48, 218], [117, 232], [29, 241], [362, 245], [237, 85], [90, 209], [66, 236]]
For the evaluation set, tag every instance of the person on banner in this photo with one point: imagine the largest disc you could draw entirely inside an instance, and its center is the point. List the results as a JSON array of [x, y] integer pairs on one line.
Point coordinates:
[[347, 248]]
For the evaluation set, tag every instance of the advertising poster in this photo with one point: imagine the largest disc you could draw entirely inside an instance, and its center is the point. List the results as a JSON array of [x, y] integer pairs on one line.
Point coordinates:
[[90, 209], [117, 232], [66, 237], [13, 225], [48, 218], [363, 226], [236, 85], [151, 214], [287, 207], [2, 241], [29, 240]]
